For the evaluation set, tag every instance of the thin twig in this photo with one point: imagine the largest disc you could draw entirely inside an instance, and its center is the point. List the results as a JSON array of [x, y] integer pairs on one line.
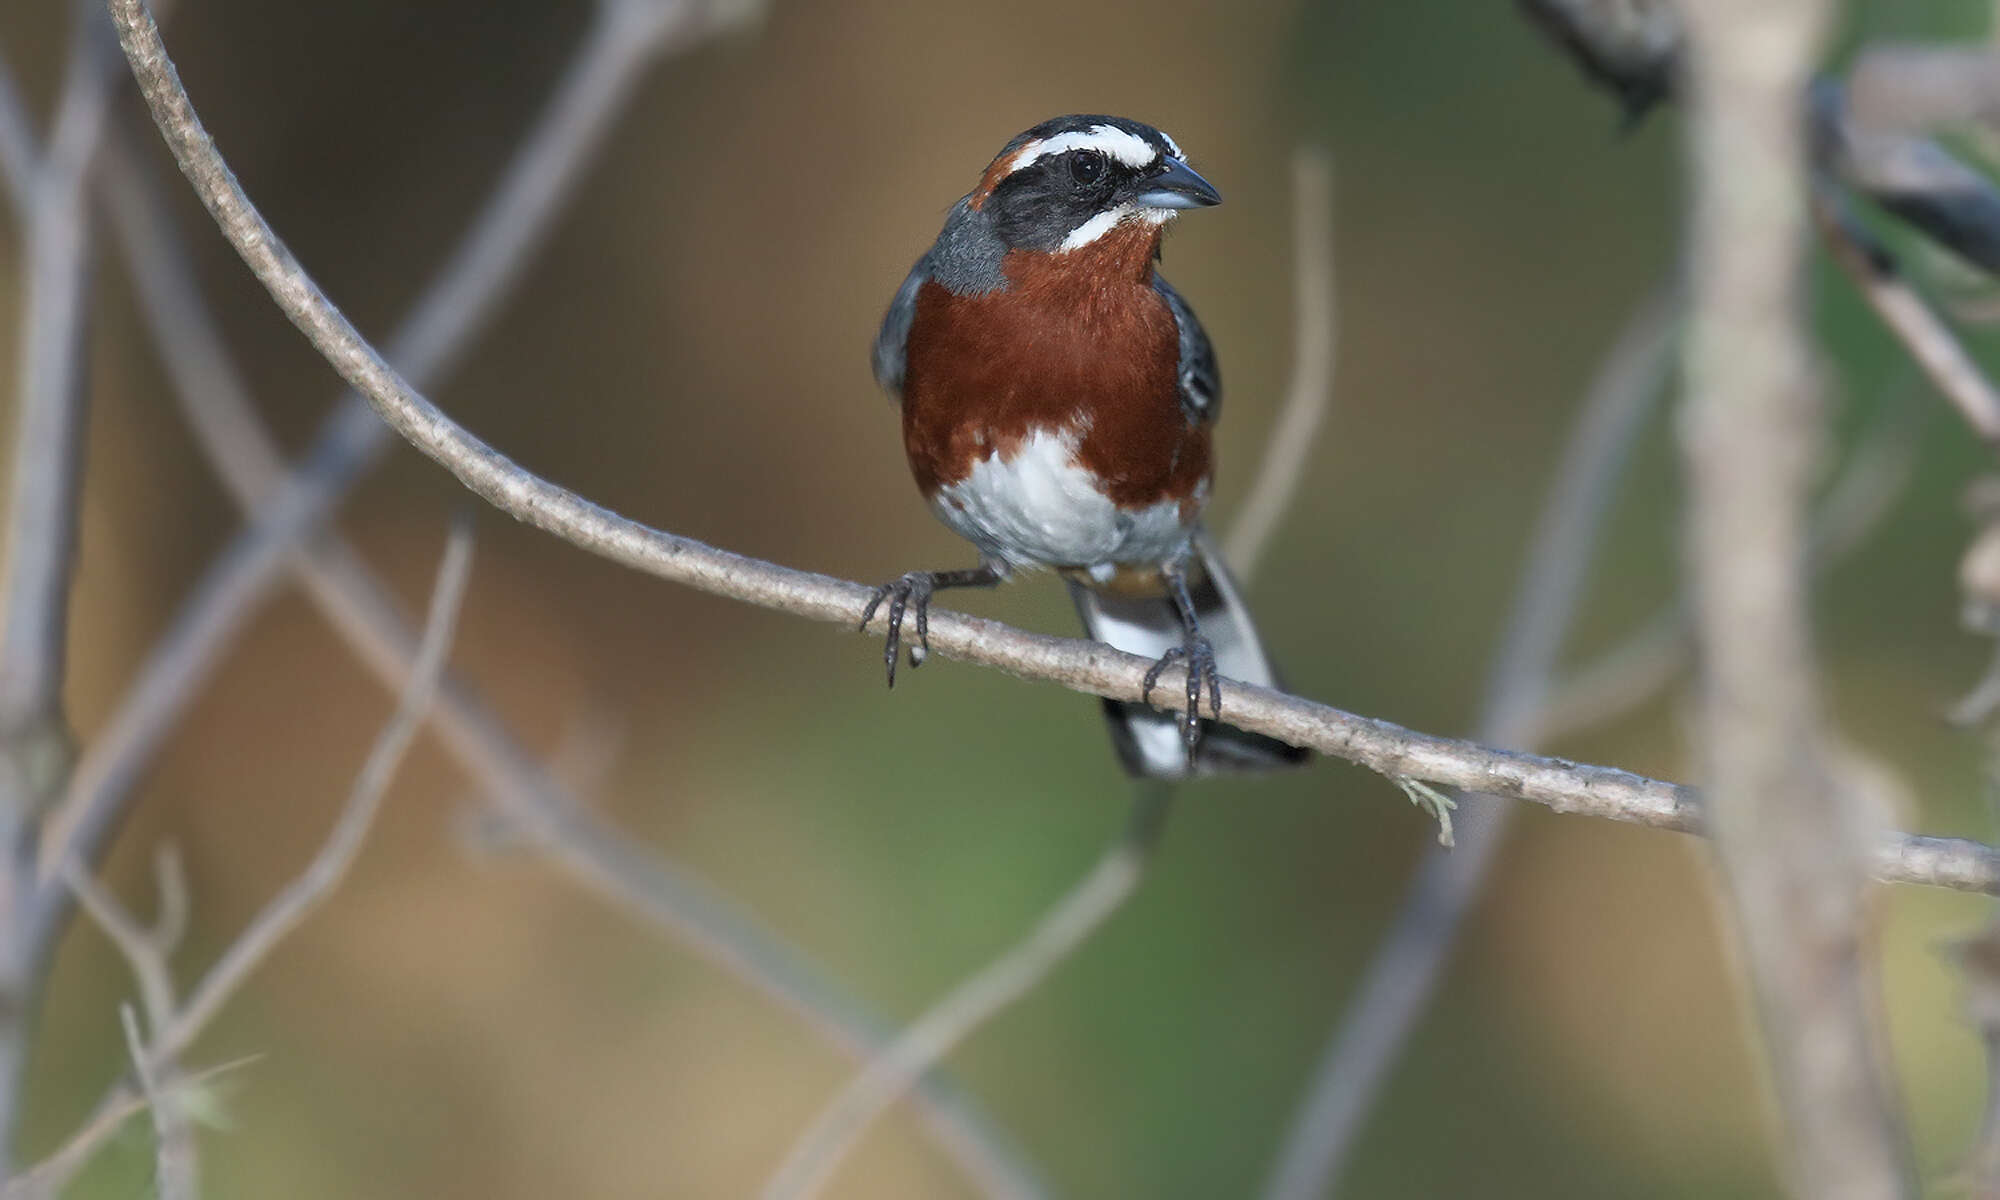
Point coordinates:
[[147, 952], [173, 1137], [19, 158], [1315, 339], [46, 1179], [1791, 837], [815, 1156], [1931, 343], [1636, 48], [1404, 972], [529, 800], [329, 866], [625, 39], [1085, 666], [41, 507], [1641, 665], [169, 1039], [41, 513]]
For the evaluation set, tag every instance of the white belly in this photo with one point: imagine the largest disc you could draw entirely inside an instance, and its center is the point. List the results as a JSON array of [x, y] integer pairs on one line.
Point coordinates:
[[1040, 509]]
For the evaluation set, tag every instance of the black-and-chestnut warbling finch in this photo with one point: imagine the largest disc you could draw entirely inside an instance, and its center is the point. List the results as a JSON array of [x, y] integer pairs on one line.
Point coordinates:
[[1058, 402]]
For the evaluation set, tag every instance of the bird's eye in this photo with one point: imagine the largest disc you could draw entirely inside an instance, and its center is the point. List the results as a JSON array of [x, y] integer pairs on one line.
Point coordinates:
[[1086, 166]]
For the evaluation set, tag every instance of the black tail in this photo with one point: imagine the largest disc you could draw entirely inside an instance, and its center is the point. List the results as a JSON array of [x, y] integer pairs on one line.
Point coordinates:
[[1148, 740]]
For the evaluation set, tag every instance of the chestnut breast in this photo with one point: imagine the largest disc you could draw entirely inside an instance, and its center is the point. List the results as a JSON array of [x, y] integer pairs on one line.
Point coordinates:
[[1079, 343]]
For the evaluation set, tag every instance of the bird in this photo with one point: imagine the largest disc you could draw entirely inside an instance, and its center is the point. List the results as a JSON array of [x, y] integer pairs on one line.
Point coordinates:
[[1058, 403]]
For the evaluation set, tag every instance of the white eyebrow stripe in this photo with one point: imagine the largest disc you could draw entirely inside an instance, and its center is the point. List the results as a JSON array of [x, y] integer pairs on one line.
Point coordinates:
[[1128, 148], [1173, 145]]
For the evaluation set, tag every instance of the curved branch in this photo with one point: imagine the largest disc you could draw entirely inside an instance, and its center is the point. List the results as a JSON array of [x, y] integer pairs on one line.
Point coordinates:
[[1315, 343], [1395, 992], [1083, 666], [551, 820]]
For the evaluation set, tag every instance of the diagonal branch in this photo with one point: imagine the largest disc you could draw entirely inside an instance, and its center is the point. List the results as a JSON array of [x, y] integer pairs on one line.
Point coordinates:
[[1930, 342], [626, 37], [1394, 993], [329, 866], [1084, 666], [659, 893], [174, 1028], [814, 1158]]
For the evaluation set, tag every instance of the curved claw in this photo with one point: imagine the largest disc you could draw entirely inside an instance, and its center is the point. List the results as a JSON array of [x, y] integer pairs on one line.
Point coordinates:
[[914, 588], [1201, 672]]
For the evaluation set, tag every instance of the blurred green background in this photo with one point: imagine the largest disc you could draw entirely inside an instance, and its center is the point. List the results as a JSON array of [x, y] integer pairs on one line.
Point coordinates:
[[690, 349]]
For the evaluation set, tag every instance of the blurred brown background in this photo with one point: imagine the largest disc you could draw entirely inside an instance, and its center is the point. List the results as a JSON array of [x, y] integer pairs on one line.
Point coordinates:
[[690, 349]]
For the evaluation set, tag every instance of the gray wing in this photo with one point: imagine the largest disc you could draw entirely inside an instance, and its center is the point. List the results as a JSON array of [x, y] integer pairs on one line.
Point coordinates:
[[1201, 379], [895, 333]]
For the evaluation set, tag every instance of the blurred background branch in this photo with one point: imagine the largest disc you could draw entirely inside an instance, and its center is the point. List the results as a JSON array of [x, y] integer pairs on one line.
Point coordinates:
[[723, 273], [1381, 746], [1394, 992], [813, 1159], [43, 506], [629, 35], [1790, 828], [172, 1028]]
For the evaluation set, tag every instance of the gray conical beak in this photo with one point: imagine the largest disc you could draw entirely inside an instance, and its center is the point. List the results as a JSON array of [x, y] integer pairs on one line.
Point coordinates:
[[1177, 187]]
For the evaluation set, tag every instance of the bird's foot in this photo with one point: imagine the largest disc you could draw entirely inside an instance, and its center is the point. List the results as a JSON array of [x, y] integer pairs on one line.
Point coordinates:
[[1201, 672], [913, 589]]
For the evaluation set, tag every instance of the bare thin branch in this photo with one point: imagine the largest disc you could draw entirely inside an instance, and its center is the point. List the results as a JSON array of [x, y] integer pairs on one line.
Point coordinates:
[[529, 800], [1639, 667], [329, 866], [1315, 339], [1636, 48], [1907, 175], [840, 1125], [1791, 838], [1084, 666], [1396, 990], [171, 1037], [146, 952], [40, 512], [20, 159], [173, 1135], [672, 900], [627, 36], [1929, 340], [46, 1179], [41, 509]]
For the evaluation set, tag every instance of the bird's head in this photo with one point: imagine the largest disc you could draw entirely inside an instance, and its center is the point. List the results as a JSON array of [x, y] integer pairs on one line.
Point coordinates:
[[1068, 182]]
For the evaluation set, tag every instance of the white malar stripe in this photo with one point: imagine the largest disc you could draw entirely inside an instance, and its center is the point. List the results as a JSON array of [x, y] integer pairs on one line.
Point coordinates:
[[1128, 148], [1104, 222]]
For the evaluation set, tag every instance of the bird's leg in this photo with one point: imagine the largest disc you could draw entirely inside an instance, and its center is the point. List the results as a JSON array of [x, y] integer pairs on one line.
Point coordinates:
[[914, 589], [1196, 652]]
